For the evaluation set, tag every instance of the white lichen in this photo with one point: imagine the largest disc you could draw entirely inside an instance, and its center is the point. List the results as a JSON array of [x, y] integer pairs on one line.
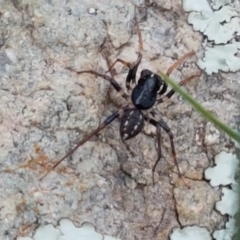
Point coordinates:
[[220, 23], [220, 3], [190, 233], [197, 6], [220, 57], [224, 171], [228, 232], [229, 202], [70, 232], [67, 231], [47, 232], [219, 26]]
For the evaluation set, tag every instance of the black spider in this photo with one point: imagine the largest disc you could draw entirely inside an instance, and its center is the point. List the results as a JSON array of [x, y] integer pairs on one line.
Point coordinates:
[[147, 92]]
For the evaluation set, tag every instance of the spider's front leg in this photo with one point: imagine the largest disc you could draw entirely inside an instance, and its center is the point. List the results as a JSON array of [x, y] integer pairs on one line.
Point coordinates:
[[113, 82], [133, 67], [182, 83], [179, 61]]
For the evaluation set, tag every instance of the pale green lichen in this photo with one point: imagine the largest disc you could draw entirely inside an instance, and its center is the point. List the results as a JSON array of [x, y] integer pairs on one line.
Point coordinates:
[[224, 171], [220, 23], [67, 231], [229, 202], [190, 233], [228, 232], [220, 57]]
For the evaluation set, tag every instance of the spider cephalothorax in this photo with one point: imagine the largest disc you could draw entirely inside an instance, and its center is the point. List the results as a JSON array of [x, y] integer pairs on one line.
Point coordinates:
[[143, 97], [145, 93], [148, 91]]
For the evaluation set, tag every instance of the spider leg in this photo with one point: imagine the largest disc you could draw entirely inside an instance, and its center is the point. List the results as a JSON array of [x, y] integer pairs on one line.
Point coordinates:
[[131, 77], [182, 83], [113, 82], [179, 61], [162, 124], [85, 139], [159, 150], [169, 71]]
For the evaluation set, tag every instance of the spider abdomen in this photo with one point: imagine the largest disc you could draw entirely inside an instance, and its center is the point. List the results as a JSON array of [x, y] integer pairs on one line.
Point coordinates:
[[132, 123]]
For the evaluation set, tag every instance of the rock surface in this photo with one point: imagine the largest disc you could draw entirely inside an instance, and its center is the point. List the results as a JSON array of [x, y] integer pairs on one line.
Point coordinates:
[[45, 109]]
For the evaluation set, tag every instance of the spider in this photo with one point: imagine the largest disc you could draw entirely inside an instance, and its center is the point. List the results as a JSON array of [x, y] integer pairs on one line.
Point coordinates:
[[148, 91]]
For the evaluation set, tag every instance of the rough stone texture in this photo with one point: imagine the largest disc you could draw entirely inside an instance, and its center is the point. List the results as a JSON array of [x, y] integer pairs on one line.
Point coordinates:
[[45, 108], [197, 207]]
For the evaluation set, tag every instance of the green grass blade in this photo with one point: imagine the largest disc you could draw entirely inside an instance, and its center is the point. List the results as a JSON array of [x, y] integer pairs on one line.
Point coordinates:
[[230, 132]]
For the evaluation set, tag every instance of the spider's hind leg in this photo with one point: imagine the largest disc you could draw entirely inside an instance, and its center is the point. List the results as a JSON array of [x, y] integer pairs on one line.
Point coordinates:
[[84, 140], [162, 124]]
